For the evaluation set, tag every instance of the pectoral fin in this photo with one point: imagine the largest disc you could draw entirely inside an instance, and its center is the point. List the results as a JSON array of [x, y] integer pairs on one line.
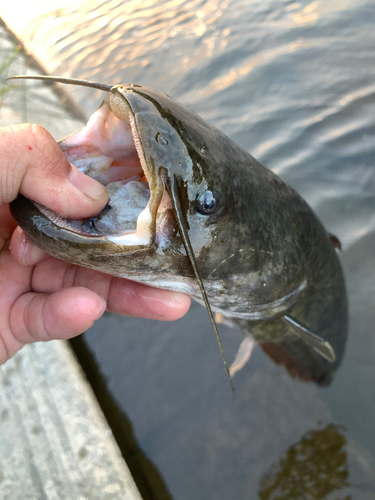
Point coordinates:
[[317, 343], [243, 355]]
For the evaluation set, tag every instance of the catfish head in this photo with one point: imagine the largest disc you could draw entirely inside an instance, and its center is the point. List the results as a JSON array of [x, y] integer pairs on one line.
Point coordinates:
[[189, 210]]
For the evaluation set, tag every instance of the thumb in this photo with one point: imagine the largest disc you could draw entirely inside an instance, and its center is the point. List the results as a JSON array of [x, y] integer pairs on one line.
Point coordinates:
[[32, 163]]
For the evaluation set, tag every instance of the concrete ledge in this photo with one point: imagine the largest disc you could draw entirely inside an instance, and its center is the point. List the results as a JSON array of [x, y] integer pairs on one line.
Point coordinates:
[[54, 440]]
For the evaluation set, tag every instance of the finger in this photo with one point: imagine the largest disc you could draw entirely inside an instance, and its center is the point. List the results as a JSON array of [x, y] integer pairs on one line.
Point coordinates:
[[33, 164], [61, 315], [23, 251], [7, 224], [136, 299], [122, 296]]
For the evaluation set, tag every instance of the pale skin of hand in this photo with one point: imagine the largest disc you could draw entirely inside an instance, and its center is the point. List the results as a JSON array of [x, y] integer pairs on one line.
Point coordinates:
[[42, 298]]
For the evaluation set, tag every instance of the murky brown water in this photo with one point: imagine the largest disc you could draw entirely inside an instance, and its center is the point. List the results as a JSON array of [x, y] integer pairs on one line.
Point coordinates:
[[292, 82]]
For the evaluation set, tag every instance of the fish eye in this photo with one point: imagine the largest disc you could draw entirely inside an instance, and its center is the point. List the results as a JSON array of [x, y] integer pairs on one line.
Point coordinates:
[[208, 203]]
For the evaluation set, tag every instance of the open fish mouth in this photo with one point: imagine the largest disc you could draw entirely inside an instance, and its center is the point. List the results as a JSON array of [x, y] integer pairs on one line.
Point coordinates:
[[108, 149]]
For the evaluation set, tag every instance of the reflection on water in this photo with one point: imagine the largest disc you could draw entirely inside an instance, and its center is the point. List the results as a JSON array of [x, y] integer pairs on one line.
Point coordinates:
[[310, 469], [293, 83]]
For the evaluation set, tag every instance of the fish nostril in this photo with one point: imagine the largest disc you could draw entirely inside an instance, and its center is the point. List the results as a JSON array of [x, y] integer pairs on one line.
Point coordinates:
[[163, 141]]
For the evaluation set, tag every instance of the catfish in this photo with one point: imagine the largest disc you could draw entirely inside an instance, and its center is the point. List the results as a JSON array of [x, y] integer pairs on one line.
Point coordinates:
[[191, 211]]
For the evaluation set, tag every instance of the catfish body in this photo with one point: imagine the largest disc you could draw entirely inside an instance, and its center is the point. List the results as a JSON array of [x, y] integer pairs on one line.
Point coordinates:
[[259, 250], [322, 306]]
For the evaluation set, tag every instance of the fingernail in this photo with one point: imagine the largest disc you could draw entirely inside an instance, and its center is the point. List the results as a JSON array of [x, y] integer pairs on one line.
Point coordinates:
[[32, 254], [87, 185], [104, 307], [23, 250], [176, 299]]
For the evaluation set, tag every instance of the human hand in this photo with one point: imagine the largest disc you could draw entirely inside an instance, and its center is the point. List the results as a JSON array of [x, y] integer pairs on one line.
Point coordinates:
[[43, 298]]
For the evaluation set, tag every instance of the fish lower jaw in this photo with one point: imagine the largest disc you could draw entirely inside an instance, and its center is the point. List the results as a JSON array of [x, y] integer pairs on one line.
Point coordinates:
[[126, 239], [138, 225], [180, 284]]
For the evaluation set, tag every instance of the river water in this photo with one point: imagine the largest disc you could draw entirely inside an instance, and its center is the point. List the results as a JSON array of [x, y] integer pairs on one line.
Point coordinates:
[[293, 83]]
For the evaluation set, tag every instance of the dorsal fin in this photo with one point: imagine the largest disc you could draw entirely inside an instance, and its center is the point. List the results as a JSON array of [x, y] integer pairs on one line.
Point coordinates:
[[335, 241]]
